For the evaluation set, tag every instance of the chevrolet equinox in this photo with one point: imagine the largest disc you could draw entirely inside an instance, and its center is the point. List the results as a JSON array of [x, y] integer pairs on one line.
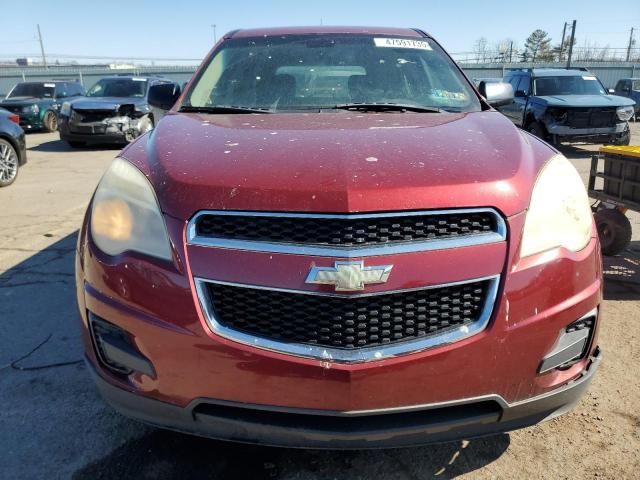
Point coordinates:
[[332, 239]]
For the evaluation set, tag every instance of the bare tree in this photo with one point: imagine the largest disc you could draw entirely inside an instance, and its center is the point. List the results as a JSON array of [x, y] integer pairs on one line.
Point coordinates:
[[480, 49]]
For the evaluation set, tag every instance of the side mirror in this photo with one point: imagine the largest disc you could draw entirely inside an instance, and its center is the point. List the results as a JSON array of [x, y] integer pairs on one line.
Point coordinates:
[[163, 95], [496, 93]]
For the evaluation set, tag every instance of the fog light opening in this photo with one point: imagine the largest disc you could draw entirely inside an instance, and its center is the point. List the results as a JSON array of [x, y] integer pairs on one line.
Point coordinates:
[[115, 350], [572, 344]]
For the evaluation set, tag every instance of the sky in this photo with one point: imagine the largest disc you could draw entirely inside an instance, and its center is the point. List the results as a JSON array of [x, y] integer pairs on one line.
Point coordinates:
[[183, 28]]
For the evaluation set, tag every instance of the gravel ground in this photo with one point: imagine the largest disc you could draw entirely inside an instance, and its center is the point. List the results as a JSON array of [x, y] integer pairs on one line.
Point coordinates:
[[54, 425]]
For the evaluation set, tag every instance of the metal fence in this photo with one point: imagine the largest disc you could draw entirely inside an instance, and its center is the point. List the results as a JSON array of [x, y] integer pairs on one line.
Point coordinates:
[[609, 73], [87, 76]]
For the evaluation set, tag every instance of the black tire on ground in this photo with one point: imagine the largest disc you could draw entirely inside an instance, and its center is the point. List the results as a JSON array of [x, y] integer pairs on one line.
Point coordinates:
[[614, 230], [624, 139], [9, 163], [50, 121], [538, 130], [77, 144]]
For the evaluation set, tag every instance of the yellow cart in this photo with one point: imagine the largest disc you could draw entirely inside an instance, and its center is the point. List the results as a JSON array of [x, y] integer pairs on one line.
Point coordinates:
[[619, 167]]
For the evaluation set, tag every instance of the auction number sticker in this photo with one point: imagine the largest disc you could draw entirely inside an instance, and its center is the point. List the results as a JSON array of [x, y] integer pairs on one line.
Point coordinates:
[[588, 77], [402, 43]]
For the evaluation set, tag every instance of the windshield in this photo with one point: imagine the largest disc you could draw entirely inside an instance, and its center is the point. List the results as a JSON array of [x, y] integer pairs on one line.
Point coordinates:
[[572, 85], [38, 90], [312, 72], [119, 87], [635, 85]]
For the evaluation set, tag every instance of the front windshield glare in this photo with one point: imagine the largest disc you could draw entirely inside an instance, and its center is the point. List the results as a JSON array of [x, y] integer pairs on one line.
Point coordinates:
[[119, 87], [571, 85], [311, 72]]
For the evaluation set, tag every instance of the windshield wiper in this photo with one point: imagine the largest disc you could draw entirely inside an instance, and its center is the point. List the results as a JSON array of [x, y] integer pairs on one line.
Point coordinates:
[[387, 107], [222, 109]]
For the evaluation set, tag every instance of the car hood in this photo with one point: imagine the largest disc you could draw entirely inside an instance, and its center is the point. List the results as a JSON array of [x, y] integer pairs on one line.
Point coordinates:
[[338, 162], [105, 103], [585, 101]]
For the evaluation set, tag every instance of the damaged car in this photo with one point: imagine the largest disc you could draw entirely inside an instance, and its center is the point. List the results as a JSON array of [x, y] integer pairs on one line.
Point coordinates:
[[115, 110], [567, 106]]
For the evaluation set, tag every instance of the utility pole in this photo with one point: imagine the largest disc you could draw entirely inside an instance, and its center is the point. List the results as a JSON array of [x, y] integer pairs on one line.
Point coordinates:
[[215, 36], [630, 44], [564, 31], [44, 58], [573, 36], [510, 50]]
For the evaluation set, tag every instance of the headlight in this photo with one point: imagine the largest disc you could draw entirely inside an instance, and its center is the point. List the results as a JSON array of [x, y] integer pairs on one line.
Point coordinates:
[[125, 215], [65, 109], [625, 113], [559, 214], [31, 109]]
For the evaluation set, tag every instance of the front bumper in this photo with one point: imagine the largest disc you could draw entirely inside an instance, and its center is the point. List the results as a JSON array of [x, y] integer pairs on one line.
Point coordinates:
[[155, 302], [304, 428], [594, 134], [90, 136], [31, 121]]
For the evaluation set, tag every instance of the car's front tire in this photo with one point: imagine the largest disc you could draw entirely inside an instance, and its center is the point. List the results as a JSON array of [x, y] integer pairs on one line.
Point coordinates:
[[50, 122], [537, 130], [623, 139], [9, 163]]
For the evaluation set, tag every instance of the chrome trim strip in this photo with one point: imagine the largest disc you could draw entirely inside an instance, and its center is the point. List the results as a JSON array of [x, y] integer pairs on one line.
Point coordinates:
[[346, 252], [368, 354]]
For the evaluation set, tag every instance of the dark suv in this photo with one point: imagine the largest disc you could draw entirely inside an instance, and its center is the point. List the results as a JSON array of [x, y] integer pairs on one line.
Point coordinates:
[[38, 103], [115, 110], [629, 87], [567, 105]]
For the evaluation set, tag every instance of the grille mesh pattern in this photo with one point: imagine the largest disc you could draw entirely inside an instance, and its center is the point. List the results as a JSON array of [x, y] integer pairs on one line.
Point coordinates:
[[592, 118], [344, 231], [343, 322]]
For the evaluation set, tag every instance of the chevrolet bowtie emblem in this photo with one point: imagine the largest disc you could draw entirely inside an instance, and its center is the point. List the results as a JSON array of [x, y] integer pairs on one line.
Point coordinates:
[[349, 276]]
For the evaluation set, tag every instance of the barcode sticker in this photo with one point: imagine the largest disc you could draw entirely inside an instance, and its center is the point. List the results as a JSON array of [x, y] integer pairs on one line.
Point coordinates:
[[402, 43]]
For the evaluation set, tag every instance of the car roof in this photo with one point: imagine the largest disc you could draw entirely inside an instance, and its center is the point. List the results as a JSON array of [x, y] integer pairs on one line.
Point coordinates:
[[148, 78], [323, 29], [50, 81], [558, 72], [550, 72]]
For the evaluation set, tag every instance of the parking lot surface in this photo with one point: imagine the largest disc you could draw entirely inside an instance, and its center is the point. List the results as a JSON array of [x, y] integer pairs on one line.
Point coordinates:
[[54, 425]]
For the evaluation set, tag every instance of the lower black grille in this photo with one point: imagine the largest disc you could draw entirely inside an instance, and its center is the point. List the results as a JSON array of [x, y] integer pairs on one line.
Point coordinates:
[[581, 324], [592, 118], [91, 116], [346, 231], [347, 322]]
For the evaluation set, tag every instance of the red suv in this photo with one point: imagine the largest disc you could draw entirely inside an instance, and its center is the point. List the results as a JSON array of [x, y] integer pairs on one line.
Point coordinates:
[[333, 240]]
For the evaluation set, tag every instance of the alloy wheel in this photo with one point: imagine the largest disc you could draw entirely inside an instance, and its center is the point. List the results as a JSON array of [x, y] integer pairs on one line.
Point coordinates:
[[8, 163]]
